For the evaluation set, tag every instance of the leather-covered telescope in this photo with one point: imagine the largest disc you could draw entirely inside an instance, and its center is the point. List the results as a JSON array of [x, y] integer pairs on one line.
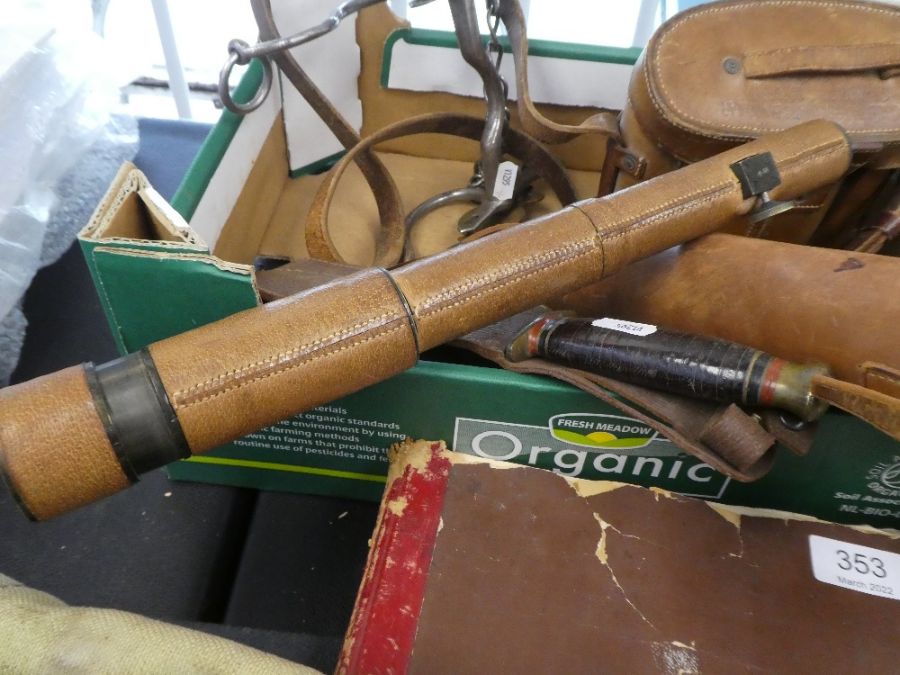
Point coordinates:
[[72, 437]]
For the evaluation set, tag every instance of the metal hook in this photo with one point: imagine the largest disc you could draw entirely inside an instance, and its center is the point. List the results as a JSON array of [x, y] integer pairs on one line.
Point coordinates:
[[240, 54], [480, 190], [234, 59]]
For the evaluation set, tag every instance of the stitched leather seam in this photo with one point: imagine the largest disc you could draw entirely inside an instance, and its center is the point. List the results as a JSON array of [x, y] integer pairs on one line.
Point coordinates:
[[665, 93], [703, 136], [788, 50], [619, 230], [480, 282], [588, 248], [262, 364], [808, 155], [526, 264], [681, 204], [666, 207], [335, 348]]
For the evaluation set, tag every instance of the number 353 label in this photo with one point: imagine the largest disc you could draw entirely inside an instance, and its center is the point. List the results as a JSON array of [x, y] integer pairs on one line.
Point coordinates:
[[859, 568]]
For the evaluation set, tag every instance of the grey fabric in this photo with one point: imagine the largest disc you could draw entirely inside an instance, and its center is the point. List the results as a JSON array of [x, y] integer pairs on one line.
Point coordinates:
[[12, 337]]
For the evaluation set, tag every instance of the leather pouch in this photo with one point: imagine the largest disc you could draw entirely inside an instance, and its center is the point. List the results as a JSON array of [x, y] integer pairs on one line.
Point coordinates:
[[724, 73]]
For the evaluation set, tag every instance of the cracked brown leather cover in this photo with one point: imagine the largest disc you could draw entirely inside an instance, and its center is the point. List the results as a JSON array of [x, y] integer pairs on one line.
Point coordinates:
[[528, 571]]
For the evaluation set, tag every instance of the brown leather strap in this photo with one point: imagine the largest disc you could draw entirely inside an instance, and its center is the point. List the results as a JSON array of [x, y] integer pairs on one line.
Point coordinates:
[[886, 227], [724, 437], [878, 409], [297, 276], [390, 245], [532, 121], [390, 209], [882, 57], [881, 378], [856, 193]]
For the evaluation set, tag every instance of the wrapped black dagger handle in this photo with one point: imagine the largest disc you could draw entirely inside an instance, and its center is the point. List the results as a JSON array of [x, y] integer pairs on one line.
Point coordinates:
[[690, 365]]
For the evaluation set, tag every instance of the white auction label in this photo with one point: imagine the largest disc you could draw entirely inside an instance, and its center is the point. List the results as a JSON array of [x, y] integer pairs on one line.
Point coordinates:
[[631, 327], [859, 568], [505, 183]]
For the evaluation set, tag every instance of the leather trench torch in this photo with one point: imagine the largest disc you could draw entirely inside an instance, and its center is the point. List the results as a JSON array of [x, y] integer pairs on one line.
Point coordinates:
[[83, 433]]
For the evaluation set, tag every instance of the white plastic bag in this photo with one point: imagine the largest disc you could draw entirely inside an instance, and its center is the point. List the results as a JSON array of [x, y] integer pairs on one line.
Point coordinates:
[[59, 86]]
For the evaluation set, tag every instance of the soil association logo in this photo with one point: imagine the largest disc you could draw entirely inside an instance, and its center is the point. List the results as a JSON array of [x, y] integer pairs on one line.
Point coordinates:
[[884, 478], [609, 432]]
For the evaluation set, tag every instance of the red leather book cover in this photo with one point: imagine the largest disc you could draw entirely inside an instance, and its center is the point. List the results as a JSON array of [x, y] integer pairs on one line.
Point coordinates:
[[481, 567]]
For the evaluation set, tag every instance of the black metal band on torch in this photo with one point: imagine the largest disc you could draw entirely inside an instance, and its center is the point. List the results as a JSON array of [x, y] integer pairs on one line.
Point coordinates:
[[139, 419]]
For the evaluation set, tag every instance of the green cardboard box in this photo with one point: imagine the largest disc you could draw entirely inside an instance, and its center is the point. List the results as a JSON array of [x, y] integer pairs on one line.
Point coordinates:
[[156, 277]]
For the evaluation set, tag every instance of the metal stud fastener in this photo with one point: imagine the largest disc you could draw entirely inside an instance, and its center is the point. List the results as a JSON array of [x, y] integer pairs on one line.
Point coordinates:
[[731, 65], [629, 163], [791, 422]]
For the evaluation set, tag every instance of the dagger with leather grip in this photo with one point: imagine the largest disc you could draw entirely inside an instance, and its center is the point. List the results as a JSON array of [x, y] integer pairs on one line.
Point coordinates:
[[78, 435], [678, 363]]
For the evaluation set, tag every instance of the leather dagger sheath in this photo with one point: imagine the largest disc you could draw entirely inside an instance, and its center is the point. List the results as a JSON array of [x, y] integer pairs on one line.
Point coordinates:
[[75, 436]]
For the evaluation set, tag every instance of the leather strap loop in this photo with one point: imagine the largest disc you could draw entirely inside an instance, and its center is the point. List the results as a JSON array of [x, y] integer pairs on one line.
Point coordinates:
[[724, 437], [881, 378], [533, 122], [881, 57], [390, 209], [389, 247], [880, 410], [886, 227], [736, 437]]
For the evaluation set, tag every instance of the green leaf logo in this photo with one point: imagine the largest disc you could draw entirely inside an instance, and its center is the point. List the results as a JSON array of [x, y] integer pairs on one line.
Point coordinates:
[[608, 432]]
